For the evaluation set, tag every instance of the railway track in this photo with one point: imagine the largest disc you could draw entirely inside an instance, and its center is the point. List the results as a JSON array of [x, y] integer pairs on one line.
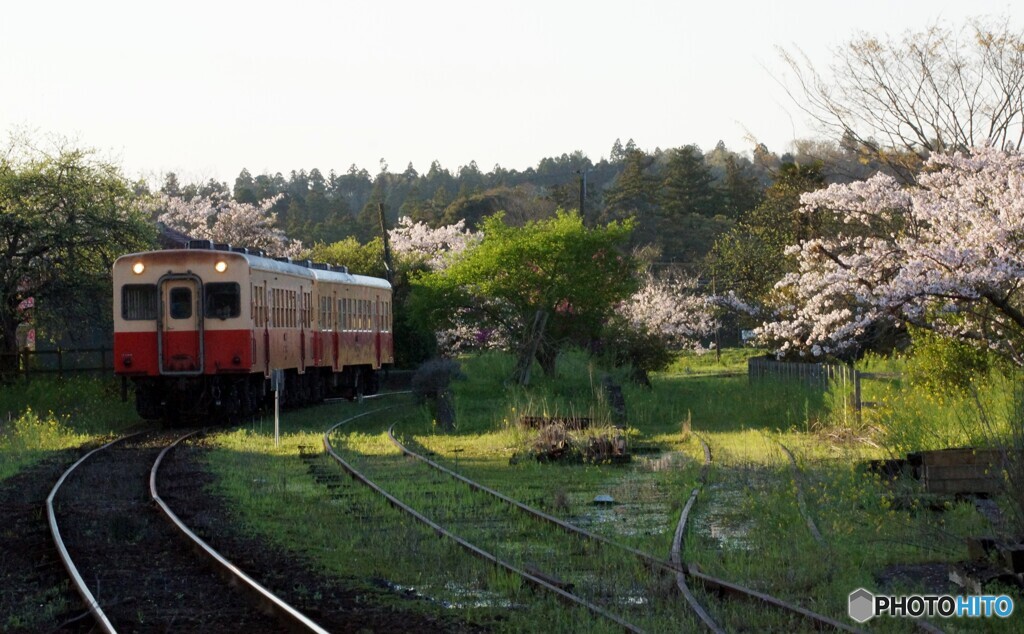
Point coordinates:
[[630, 587], [130, 565]]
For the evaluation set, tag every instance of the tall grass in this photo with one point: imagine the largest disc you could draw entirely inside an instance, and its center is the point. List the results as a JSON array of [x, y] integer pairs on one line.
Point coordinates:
[[747, 525], [729, 360], [43, 416]]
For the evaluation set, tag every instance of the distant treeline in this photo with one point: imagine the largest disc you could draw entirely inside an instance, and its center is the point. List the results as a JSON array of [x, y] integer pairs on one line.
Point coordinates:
[[683, 199]]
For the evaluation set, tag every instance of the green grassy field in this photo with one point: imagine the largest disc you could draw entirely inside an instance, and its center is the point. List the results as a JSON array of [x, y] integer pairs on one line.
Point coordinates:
[[44, 415], [746, 526]]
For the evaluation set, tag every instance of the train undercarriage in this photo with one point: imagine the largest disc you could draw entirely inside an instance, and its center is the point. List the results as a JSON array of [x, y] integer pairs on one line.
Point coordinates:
[[234, 397]]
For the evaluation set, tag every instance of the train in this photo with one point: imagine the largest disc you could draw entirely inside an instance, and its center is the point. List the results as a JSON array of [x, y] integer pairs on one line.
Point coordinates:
[[213, 329]]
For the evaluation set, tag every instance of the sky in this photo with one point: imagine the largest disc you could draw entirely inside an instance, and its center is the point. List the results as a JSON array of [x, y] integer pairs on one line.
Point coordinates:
[[205, 89]]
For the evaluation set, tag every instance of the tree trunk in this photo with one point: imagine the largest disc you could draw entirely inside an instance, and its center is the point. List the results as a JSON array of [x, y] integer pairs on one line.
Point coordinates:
[[531, 345], [547, 357], [8, 345], [445, 410]]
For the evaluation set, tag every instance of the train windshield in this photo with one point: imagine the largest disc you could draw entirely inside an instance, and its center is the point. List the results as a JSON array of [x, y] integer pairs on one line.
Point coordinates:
[[223, 300], [138, 301]]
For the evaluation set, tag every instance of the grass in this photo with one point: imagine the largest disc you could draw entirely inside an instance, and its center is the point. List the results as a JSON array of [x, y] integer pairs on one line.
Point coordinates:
[[729, 360], [747, 526], [46, 415], [352, 534]]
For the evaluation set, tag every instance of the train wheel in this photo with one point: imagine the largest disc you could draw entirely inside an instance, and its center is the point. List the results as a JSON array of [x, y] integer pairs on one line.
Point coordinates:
[[318, 387], [147, 402], [371, 382]]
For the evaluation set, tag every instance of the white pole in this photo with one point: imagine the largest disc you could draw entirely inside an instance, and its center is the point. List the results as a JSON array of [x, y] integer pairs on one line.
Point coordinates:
[[277, 418]]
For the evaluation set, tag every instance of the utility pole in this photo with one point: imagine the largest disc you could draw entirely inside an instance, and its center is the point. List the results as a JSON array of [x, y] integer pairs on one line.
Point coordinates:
[[388, 265], [583, 194]]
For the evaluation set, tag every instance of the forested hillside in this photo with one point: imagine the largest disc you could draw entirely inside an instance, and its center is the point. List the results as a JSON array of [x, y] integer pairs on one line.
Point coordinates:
[[684, 199]]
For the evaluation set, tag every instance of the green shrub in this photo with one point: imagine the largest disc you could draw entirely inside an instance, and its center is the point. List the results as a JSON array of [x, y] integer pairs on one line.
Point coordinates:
[[941, 365]]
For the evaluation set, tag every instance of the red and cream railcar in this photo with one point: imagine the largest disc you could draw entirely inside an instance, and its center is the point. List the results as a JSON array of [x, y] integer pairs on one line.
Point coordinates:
[[203, 329]]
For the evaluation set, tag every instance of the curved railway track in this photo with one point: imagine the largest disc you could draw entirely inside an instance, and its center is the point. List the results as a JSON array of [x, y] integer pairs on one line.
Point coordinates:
[[530, 577], [800, 498], [128, 565], [675, 569], [805, 512]]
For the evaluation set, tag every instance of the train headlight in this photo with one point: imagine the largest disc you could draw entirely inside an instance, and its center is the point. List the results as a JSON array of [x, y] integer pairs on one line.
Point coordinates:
[[220, 266], [138, 268]]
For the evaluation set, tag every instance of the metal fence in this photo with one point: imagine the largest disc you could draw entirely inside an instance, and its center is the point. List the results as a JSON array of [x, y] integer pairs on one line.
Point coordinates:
[[59, 361]]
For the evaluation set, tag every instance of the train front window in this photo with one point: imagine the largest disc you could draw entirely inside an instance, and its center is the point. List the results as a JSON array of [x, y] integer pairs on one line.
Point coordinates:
[[138, 301], [223, 300], [181, 303]]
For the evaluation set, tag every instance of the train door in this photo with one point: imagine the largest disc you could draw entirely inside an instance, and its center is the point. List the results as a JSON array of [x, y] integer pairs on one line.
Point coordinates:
[[267, 312], [303, 298], [180, 324], [376, 329], [336, 329]]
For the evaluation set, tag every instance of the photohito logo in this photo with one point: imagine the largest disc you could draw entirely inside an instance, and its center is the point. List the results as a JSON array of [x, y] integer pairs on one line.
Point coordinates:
[[864, 605]]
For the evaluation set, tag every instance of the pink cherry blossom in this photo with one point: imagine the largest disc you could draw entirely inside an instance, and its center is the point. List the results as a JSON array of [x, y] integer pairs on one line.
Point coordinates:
[[945, 254]]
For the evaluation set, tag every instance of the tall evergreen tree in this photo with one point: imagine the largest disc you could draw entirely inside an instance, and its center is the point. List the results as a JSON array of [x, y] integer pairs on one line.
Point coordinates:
[[686, 185]]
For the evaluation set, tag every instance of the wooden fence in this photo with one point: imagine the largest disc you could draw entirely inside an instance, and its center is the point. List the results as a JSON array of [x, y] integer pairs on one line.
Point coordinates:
[[818, 375], [59, 361], [814, 374]]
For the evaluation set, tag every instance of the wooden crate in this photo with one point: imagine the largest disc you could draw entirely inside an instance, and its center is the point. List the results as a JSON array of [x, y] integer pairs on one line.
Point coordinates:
[[963, 470]]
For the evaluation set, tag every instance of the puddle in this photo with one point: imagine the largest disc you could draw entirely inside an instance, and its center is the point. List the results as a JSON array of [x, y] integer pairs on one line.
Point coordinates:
[[456, 596], [464, 597], [667, 461], [719, 518], [628, 520]]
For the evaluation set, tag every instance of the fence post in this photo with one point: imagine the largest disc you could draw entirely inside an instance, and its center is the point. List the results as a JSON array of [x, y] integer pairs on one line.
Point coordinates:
[[60, 362], [856, 395]]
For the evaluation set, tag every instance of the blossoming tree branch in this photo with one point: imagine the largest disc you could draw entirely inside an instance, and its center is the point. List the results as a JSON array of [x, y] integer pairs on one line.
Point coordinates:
[[942, 254]]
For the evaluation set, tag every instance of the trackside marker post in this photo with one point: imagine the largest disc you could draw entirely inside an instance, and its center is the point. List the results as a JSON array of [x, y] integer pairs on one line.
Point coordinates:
[[277, 384]]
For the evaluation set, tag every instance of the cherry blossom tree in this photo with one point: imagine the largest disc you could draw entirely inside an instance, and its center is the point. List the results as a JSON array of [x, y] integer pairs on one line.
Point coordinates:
[[219, 218], [673, 309], [662, 315], [433, 247], [942, 89], [943, 254]]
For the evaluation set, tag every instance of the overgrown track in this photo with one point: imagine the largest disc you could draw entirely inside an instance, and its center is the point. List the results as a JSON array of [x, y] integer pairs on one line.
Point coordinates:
[[800, 499], [640, 584], [677, 567], [728, 588], [677, 544], [533, 576], [921, 624], [124, 557]]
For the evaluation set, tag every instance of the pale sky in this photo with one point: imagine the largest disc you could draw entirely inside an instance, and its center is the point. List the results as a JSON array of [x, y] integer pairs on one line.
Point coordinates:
[[206, 88]]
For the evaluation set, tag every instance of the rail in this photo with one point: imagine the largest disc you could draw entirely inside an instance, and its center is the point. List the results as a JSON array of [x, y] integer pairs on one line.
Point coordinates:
[[471, 548], [76, 578], [295, 620]]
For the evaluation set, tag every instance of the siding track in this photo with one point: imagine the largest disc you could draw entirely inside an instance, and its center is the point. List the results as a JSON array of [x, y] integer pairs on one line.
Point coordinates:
[[635, 596]]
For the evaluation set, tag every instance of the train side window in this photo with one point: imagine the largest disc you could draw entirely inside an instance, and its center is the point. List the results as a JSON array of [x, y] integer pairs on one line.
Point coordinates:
[[223, 300], [138, 301], [181, 303]]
